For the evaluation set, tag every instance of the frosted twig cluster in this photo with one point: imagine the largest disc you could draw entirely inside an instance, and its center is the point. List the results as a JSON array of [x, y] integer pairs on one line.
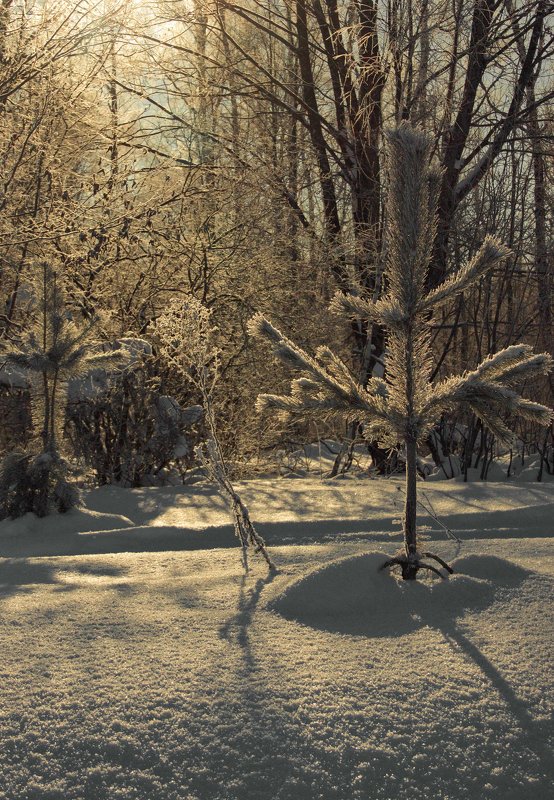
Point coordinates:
[[186, 338], [211, 458]]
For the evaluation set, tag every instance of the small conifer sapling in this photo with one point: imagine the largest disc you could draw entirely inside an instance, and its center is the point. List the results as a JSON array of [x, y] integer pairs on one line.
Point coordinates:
[[54, 350], [403, 407]]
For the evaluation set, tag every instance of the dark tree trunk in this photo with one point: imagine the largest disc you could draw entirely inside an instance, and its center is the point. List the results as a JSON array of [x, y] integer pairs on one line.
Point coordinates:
[[453, 190], [410, 509], [456, 137], [330, 209]]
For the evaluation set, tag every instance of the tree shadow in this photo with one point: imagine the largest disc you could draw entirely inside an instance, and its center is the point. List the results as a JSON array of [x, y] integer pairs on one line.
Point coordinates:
[[100, 570], [22, 572], [512, 522], [270, 735], [499, 574], [23, 575], [237, 628], [352, 597], [534, 731]]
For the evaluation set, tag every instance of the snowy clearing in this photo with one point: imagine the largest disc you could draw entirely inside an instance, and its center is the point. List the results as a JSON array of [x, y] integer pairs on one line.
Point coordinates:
[[169, 675], [303, 511]]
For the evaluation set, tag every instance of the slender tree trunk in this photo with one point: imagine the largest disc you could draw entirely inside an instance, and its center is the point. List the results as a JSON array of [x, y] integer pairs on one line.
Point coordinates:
[[52, 443], [454, 190], [330, 209], [367, 126], [543, 256], [409, 569], [46, 410], [456, 136], [423, 117], [410, 510]]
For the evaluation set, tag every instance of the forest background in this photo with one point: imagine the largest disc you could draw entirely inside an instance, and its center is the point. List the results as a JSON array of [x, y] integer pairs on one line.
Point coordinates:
[[233, 153]]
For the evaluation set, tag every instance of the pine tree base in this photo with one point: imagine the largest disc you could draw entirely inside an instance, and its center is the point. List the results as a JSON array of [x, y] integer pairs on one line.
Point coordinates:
[[410, 565]]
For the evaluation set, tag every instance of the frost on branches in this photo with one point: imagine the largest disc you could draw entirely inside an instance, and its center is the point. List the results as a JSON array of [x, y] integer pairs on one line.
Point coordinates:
[[122, 425], [404, 406], [54, 350], [185, 336]]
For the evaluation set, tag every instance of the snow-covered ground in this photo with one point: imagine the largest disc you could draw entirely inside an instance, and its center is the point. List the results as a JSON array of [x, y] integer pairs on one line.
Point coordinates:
[[300, 511], [139, 662]]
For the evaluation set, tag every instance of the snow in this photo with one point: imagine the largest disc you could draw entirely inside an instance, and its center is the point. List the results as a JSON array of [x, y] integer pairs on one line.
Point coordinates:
[[12, 378], [311, 508], [300, 511], [354, 596], [78, 520], [165, 673]]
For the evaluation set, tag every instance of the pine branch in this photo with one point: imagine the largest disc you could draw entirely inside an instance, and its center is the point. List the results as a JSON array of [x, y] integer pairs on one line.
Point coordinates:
[[534, 412], [340, 393], [489, 400], [496, 364], [352, 305], [492, 420], [531, 368], [391, 313], [490, 254]]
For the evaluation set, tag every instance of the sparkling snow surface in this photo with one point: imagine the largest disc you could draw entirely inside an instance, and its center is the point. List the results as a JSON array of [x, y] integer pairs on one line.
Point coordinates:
[[165, 674]]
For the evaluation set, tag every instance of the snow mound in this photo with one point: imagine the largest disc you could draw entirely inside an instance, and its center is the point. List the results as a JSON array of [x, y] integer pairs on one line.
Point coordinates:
[[354, 597], [82, 520]]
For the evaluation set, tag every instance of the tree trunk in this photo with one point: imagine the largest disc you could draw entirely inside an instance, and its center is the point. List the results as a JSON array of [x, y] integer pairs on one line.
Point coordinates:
[[454, 190], [46, 410], [330, 208], [410, 510], [456, 136]]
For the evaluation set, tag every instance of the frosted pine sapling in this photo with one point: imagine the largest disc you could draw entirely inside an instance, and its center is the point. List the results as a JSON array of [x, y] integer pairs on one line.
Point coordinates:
[[404, 406], [54, 350]]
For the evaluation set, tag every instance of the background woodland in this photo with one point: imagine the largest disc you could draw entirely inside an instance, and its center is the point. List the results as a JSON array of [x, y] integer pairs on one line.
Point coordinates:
[[233, 153]]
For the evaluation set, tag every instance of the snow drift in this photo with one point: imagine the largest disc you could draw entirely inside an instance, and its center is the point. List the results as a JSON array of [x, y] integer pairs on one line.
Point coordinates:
[[352, 596]]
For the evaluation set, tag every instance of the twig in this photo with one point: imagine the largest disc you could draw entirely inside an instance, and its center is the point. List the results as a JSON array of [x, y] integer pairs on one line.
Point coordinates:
[[427, 506]]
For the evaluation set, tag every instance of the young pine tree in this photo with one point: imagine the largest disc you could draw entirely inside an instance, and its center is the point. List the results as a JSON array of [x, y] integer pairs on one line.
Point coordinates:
[[404, 406], [54, 350]]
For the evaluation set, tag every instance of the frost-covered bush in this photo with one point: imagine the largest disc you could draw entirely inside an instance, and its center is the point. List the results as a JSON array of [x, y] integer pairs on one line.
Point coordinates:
[[35, 483], [125, 429], [186, 337]]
